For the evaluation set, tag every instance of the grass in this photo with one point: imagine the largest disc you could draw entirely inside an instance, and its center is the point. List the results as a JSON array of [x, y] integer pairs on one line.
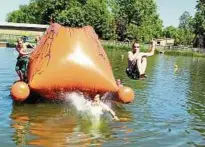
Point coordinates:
[[127, 47], [145, 48], [124, 47], [11, 43], [20, 32], [11, 36], [182, 53]]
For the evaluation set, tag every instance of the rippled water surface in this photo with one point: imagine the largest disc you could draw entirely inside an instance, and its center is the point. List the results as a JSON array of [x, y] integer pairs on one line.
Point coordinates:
[[169, 109]]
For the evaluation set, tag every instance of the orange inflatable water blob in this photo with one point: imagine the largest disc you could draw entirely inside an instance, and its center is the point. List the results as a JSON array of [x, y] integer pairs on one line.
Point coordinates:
[[68, 59], [20, 91], [126, 94]]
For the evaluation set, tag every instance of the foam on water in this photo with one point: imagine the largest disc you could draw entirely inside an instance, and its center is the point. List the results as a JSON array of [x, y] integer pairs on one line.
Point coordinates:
[[84, 105]]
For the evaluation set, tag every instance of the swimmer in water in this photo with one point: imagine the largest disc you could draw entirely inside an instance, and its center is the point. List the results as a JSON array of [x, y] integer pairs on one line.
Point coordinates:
[[104, 107]]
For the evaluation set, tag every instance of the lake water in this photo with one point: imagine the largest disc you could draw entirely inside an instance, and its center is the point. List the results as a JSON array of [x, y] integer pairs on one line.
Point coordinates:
[[168, 110]]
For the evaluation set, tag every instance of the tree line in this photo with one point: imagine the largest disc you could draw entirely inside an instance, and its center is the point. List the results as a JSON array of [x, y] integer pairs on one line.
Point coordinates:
[[114, 19]]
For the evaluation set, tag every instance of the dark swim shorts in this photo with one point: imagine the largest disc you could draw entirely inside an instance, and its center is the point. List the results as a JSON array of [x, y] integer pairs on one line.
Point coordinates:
[[22, 63], [132, 73]]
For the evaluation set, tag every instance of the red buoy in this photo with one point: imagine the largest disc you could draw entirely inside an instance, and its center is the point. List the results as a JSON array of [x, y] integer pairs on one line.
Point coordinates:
[[20, 91], [126, 94]]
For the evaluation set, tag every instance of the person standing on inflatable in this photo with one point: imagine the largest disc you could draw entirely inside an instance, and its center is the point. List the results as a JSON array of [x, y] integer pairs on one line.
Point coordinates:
[[22, 60], [137, 61]]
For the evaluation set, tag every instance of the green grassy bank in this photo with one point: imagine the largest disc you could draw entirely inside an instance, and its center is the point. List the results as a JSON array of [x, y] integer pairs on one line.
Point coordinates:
[[181, 52], [145, 48]]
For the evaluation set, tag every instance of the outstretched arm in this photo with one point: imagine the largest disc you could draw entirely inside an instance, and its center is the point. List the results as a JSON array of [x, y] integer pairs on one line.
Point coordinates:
[[152, 50], [24, 53], [106, 108]]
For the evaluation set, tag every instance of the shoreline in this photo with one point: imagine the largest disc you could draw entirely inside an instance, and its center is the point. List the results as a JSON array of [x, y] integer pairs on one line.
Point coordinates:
[[173, 52], [181, 52], [144, 48]]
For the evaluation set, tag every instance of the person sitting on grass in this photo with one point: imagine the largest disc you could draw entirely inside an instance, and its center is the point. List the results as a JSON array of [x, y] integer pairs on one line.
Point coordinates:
[[22, 60], [137, 61]]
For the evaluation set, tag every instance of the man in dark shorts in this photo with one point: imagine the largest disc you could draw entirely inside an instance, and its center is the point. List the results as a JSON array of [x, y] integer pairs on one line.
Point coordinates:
[[22, 60], [137, 61]]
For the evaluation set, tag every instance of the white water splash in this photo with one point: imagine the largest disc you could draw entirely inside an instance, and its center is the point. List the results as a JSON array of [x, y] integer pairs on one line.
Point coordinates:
[[84, 105], [88, 111]]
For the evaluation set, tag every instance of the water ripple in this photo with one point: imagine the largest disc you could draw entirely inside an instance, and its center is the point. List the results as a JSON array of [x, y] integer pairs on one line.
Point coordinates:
[[168, 110]]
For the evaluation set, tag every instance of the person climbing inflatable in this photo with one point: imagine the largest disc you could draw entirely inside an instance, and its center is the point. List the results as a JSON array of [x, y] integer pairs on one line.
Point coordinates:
[[22, 60]]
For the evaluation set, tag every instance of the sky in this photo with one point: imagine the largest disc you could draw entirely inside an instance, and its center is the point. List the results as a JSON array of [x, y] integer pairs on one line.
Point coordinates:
[[7, 6], [169, 10]]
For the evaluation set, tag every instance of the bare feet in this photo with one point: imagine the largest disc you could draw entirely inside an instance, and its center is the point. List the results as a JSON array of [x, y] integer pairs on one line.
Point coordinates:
[[116, 118], [142, 77]]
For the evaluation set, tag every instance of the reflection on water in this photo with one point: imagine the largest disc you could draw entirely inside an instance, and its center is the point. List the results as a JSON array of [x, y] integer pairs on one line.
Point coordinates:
[[196, 97], [51, 124], [169, 109]]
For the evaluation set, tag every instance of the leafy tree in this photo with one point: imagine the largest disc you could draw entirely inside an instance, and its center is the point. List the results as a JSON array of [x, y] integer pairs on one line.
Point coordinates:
[[199, 24], [170, 32], [98, 15], [186, 28], [111, 19], [72, 13], [140, 15], [25, 14], [73, 17], [185, 21], [173, 32], [183, 34]]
